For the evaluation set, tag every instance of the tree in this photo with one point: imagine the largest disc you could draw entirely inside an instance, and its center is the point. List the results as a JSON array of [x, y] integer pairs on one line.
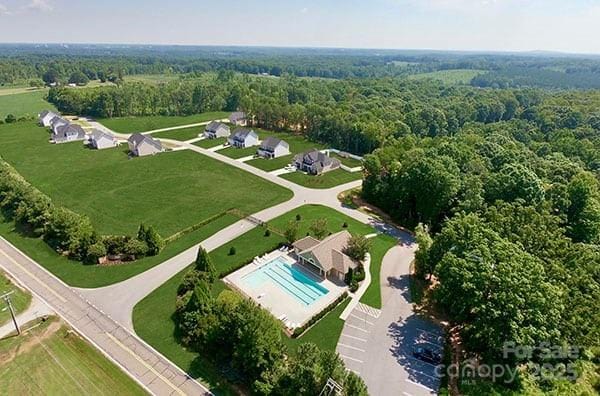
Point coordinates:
[[10, 118], [135, 248], [153, 240], [67, 231], [319, 228], [357, 248], [51, 76], [423, 266], [515, 181], [205, 264], [583, 213], [78, 78], [291, 231], [354, 385]]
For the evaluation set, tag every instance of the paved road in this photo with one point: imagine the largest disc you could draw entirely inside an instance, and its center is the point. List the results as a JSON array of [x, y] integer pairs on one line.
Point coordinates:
[[150, 369], [379, 344]]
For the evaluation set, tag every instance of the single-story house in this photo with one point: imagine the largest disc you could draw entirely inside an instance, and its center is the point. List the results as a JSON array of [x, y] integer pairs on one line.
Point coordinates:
[[326, 257], [273, 147], [68, 133], [238, 118], [141, 145], [243, 137], [101, 140], [45, 117], [57, 121], [216, 130], [315, 162]]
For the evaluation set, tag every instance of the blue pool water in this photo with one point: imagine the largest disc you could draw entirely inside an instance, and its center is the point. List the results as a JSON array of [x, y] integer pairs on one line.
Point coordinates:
[[291, 280]]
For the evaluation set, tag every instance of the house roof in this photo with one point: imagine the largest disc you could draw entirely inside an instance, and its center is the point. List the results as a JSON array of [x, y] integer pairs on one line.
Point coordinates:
[[97, 134], [315, 157], [271, 142], [63, 130], [58, 119], [137, 138], [328, 253], [236, 116], [305, 243], [242, 133], [213, 126], [44, 113]]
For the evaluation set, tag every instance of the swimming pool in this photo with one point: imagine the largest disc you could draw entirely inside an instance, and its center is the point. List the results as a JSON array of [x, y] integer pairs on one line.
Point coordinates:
[[291, 280]]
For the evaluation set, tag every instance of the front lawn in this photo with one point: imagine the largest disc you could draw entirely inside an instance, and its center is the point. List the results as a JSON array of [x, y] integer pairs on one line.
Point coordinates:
[[379, 247], [150, 123], [209, 143], [51, 359], [20, 299], [269, 165], [182, 134], [327, 180], [153, 316], [235, 152], [21, 104]]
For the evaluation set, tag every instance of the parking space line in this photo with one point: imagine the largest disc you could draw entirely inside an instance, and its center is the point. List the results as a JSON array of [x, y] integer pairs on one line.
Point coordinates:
[[361, 319], [357, 328], [351, 358], [421, 385], [354, 338], [351, 347]]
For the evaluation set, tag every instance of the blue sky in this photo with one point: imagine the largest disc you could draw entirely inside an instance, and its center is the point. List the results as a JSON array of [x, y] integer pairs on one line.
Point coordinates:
[[503, 25]]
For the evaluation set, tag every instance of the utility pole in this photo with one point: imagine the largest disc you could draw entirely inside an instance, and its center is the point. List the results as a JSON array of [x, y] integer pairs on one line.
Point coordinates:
[[6, 297]]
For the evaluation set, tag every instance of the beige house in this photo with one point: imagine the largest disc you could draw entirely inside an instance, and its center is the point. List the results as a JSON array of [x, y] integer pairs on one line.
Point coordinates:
[[326, 257], [141, 145]]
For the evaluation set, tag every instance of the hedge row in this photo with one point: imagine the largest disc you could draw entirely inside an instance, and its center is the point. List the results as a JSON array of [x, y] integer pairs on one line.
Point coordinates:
[[67, 232], [298, 331]]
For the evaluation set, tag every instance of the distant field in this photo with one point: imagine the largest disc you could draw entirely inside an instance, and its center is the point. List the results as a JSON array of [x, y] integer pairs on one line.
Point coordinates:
[[180, 134], [53, 360], [149, 123], [12, 90], [152, 78], [457, 76], [20, 104], [19, 299], [327, 180]]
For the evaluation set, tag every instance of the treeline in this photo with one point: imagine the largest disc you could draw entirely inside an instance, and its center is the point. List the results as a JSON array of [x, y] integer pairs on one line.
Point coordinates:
[[67, 232], [507, 217], [245, 341], [513, 77]]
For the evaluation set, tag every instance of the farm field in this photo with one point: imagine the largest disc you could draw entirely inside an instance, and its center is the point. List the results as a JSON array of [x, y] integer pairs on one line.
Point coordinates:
[[21, 104], [18, 89], [52, 360], [182, 134], [456, 76], [327, 180], [149, 123], [20, 299]]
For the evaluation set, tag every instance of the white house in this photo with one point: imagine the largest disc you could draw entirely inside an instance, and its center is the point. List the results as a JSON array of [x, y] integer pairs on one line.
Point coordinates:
[[68, 133], [273, 147], [102, 140], [216, 130], [243, 138], [56, 122], [141, 145], [45, 117]]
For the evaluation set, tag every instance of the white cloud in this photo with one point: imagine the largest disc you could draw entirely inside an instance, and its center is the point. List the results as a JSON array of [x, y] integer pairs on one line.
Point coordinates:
[[39, 5]]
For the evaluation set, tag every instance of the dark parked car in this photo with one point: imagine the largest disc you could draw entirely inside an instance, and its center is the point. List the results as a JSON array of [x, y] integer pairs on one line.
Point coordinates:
[[427, 355]]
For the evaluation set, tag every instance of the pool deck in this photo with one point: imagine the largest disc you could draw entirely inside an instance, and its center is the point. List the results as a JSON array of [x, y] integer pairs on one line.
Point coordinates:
[[270, 296]]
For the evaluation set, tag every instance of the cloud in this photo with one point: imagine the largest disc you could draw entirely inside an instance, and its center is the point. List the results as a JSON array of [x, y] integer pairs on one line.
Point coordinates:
[[39, 5], [4, 10], [304, 10]]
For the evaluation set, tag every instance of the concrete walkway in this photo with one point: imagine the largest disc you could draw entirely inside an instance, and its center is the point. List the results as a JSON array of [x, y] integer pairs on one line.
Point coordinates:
[[357, 295], [36, 309]]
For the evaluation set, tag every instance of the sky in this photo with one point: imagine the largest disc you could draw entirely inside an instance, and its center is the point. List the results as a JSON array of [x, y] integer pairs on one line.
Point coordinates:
[[491, 25]]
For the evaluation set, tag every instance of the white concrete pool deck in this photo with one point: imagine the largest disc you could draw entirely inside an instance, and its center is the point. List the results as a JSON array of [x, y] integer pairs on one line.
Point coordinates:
[[272, 297]]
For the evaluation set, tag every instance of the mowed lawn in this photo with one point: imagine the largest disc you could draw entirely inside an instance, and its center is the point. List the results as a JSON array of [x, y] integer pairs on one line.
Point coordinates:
[[348, 161], [21, 104], [150, 123], [20, 299], [170, 191], [326, 180], [182, 134], [153, 316], [208, 143], [53, 360]]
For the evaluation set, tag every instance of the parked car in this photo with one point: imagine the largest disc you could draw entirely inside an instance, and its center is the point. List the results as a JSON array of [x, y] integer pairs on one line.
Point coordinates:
[[427, 355]]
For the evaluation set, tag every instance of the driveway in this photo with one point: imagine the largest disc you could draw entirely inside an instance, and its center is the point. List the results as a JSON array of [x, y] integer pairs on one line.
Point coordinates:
[[378, 344]]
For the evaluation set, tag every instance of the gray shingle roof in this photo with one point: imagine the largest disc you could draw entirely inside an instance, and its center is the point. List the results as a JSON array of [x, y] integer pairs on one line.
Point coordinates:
[[242, 133], [137, 138], [214, 126], [236, 116], [97, 134], [271, 142]]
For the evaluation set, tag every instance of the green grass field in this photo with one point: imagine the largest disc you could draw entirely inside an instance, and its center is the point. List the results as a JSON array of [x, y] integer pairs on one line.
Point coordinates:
[[152, 317], [21, 104], [456, 76], [379, 247], [20, 299], [180, 134], [327, 180], [52, 360], [208, 143], [150, 123]]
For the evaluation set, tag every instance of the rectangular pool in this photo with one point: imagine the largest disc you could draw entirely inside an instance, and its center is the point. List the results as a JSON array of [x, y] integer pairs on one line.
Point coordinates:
[[292, 281]]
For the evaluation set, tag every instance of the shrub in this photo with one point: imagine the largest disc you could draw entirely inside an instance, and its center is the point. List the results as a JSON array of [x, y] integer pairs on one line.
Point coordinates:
[[135, 247], [10, 118], [267, 232], [95, 252], [232, 251], [353, 285], [291, 232], [190, 280], [205, 265], [298, 217], [345, 225], [357, 248], [67, 231]]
